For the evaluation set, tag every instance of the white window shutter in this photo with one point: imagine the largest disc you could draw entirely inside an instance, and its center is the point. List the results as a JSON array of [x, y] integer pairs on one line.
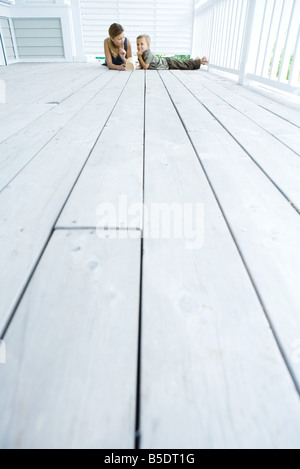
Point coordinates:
[[168, 22]]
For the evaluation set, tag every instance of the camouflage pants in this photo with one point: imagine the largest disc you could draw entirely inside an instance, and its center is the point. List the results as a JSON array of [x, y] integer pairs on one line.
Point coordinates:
[[175, 64]]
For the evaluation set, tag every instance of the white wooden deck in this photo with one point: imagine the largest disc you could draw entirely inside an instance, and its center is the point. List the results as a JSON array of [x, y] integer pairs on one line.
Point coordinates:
[[104, 337]]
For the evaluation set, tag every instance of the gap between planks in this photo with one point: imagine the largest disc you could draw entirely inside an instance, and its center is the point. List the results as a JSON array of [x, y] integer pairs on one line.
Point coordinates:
[[18, 297], [235, 240], [255, 161]]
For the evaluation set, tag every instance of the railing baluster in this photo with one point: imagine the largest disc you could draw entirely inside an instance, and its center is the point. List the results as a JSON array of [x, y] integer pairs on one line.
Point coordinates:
[[296, 60], [221, 31], [225, 29], [287, 40], [229, 44], [276, 42], [260, 37], [213, 29], [243, 31], [218, 32], [212, 32], [218, 42], [206, 32], [236, 64], [234, 31], [223, 43], [208, 44], [218, 22], [229, 4], [268, 38], [238, 34]]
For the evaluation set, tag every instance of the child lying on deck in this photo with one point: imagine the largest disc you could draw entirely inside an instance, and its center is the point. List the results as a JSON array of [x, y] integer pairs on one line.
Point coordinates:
[[149, 61]]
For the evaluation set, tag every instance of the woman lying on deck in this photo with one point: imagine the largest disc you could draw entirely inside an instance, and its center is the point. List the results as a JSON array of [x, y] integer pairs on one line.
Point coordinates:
[[117, 48]]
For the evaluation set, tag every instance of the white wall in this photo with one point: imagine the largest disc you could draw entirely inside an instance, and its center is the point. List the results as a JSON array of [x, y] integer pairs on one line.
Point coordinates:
[[168, 22], [39, 38], [85, 23]]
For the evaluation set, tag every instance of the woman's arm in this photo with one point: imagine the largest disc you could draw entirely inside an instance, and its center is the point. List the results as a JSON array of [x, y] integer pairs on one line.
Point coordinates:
[[108, 57], [129, 50], [126, 55]]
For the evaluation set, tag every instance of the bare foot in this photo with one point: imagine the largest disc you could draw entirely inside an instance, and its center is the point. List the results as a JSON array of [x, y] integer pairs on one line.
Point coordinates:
[[204, 61]]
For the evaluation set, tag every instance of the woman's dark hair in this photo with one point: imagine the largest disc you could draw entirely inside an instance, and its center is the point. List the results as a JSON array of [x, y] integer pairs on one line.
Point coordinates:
[[114, 30]]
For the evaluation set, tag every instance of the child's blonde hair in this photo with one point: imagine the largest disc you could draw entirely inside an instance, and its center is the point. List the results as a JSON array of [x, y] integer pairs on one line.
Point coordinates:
[[146, 36]]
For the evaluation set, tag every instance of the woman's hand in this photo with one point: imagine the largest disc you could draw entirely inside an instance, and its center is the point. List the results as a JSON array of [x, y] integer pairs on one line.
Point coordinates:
[[122, 67], [122, 53]]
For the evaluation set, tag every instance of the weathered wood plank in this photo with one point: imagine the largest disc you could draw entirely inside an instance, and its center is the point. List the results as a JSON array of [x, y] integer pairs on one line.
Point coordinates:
[[37, 77], [284, 131], [25, 97], [212, 375], [61, 87], [280, 163], [265, 226], [34, 88], [20, 148], [283, 106], [31, 204], [70, 377], [27, 70], [30, 88], [114, 172]]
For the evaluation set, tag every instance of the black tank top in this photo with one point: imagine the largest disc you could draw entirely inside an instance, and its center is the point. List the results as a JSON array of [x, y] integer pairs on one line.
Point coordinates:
[[118, 60]]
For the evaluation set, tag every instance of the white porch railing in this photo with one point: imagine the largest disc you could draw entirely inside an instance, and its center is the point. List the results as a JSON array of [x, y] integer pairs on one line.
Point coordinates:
[[256, 40]]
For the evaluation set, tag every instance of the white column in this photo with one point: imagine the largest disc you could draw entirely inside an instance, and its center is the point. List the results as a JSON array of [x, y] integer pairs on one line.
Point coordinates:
[[247, 39], [77, 32], [67, 33]]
